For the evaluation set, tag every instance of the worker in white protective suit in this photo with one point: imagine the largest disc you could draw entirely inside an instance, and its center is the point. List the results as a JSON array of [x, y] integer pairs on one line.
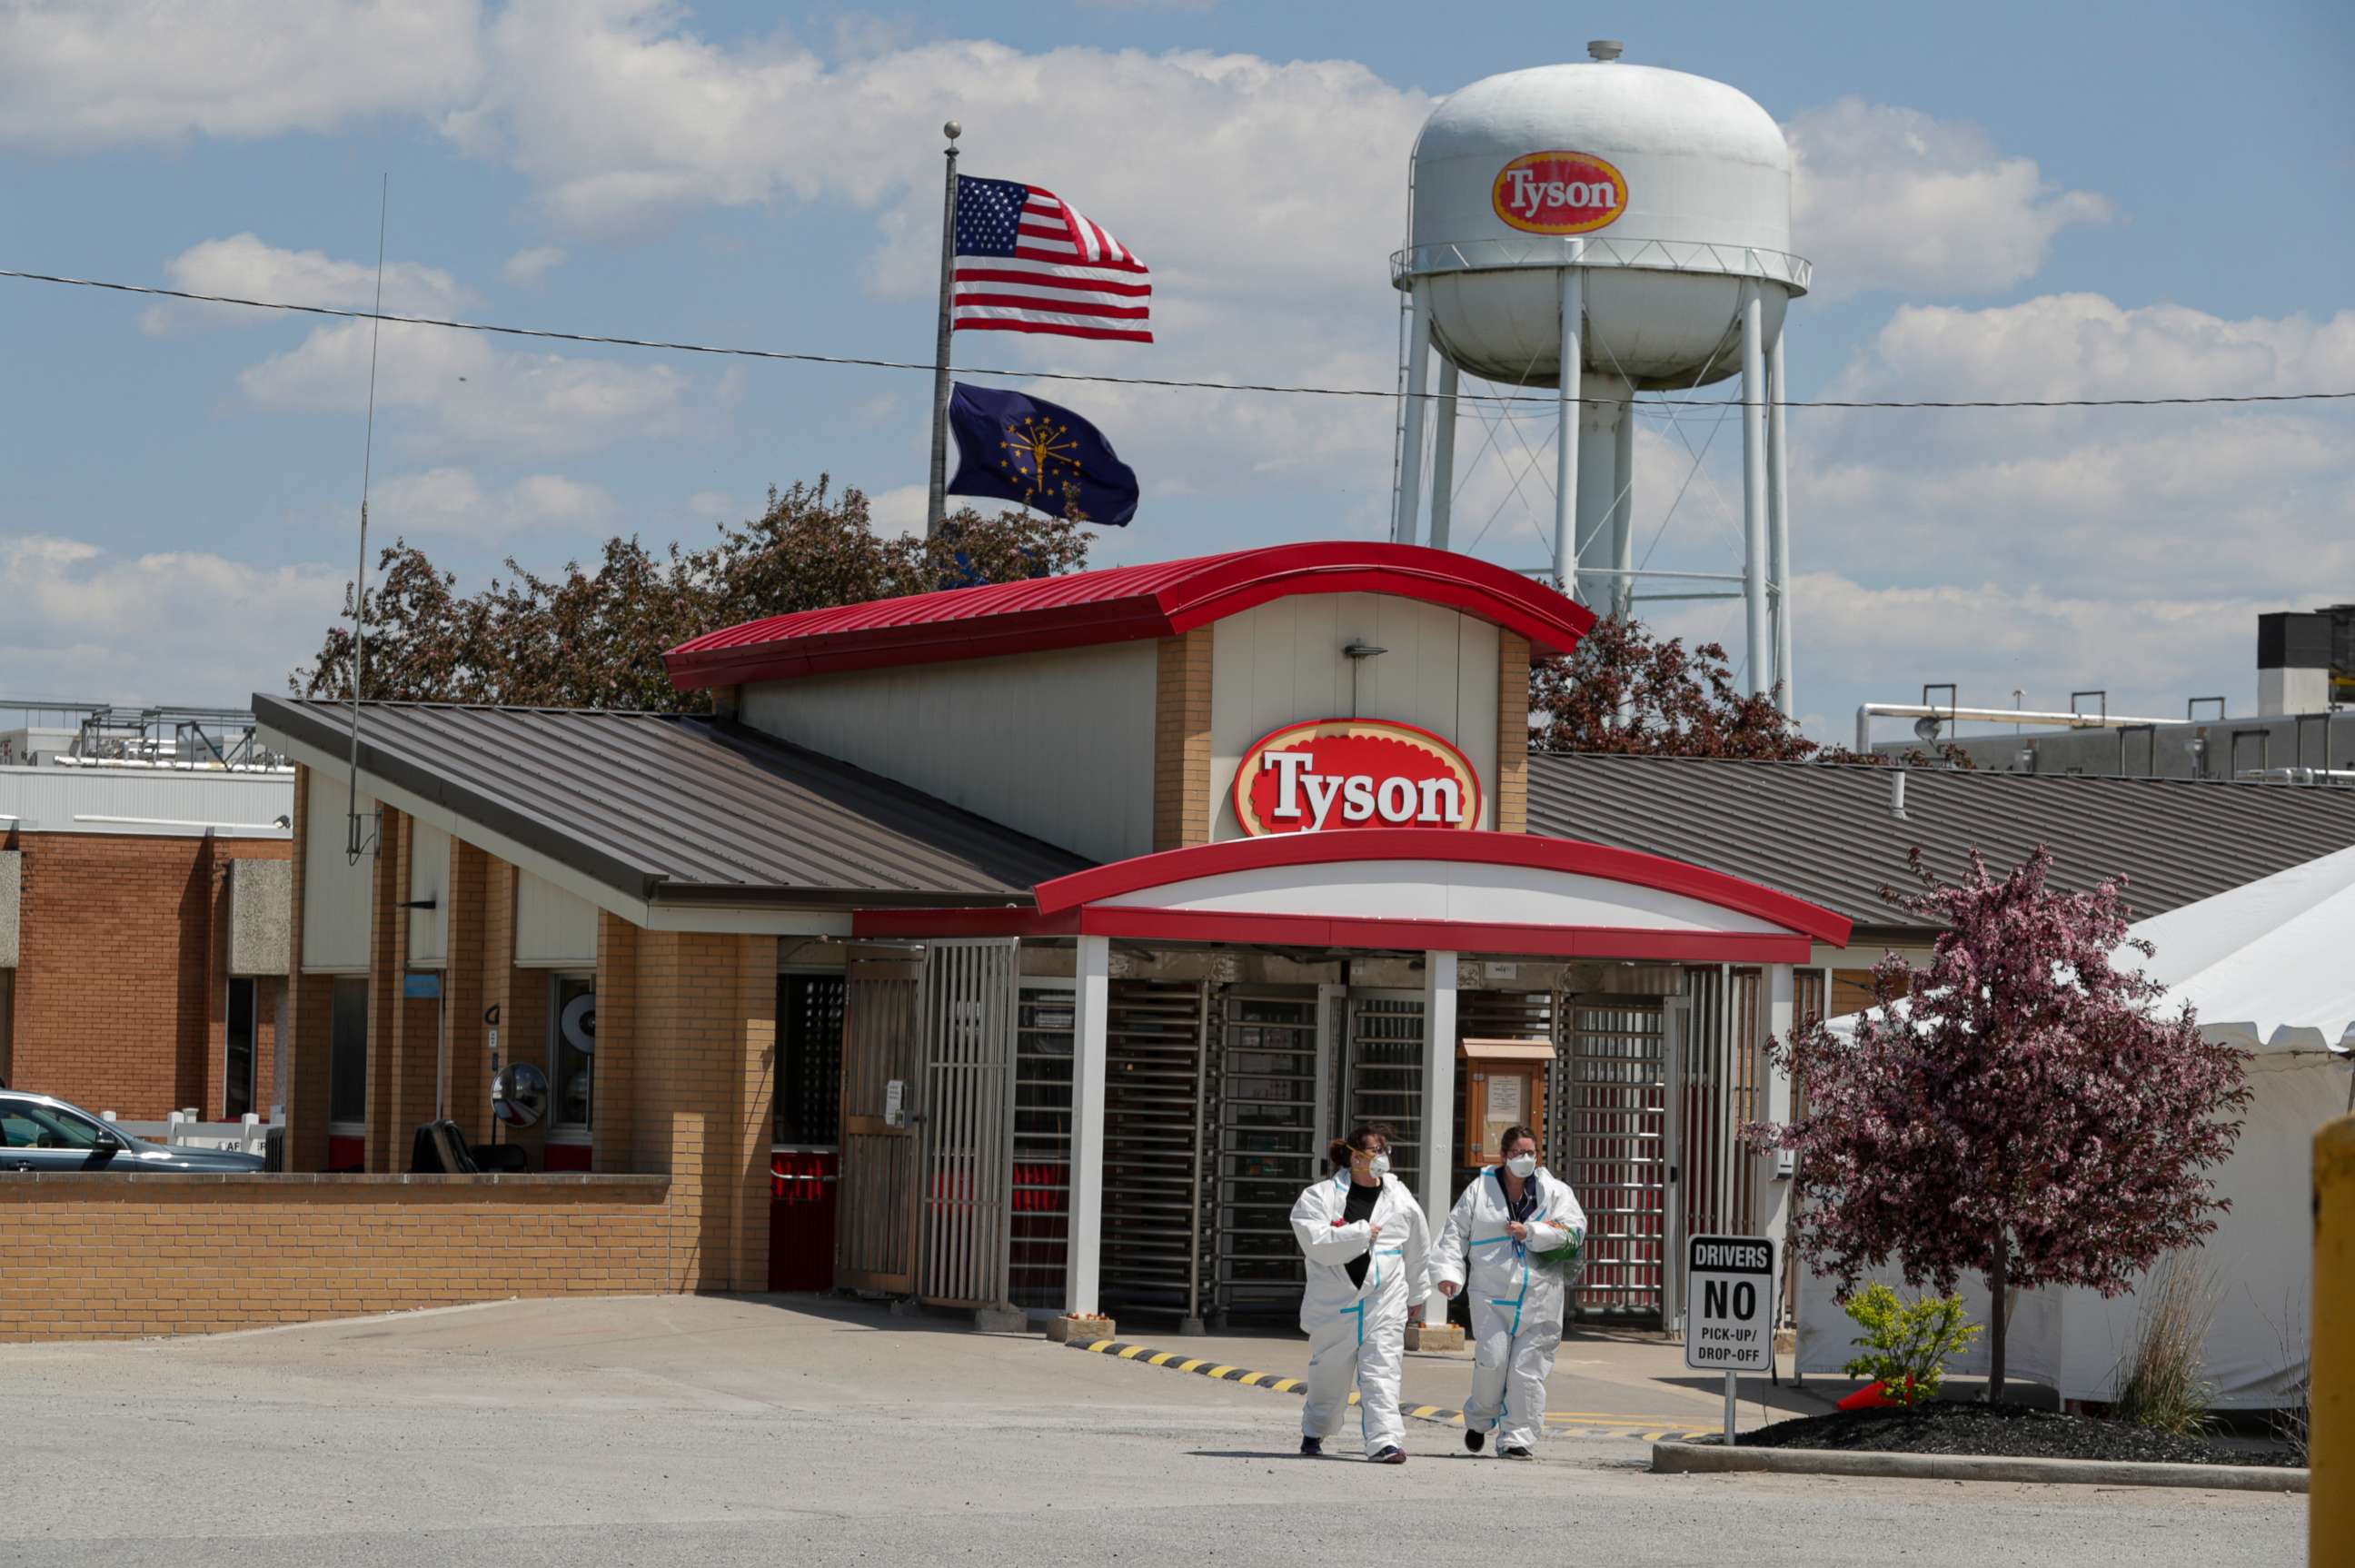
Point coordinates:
[[1503, 1243], [1367, 1246]]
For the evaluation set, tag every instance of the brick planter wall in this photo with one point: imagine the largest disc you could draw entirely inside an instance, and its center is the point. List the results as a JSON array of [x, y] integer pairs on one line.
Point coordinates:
[[105, 1256]]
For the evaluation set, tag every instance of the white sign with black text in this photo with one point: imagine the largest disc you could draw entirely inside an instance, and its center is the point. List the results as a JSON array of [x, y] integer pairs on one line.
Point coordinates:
[[1730, 1304]]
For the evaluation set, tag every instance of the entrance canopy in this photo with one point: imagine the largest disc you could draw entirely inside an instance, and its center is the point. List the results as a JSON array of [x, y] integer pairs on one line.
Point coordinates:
[[1413, 888]]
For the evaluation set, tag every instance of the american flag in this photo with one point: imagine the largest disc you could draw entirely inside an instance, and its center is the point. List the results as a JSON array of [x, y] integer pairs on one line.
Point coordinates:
[[1027, 260]]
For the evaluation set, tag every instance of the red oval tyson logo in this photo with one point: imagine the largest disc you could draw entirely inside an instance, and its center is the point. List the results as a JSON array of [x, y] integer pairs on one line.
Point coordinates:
[[1328, 774], [1559, 192]]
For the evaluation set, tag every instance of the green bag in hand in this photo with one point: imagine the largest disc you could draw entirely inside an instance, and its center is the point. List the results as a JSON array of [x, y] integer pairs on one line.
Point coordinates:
[[1568, 1261]]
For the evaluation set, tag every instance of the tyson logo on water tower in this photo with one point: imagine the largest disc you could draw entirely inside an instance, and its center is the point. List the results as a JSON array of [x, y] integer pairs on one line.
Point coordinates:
[[1327, 773], [1560, 193]]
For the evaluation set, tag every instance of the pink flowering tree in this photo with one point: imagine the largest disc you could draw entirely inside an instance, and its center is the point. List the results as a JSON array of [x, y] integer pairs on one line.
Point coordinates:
[[2018, 1110]]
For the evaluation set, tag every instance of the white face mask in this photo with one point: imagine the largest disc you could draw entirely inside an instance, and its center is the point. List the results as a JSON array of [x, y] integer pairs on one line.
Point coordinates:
[[1379, 1167], [1523, 1165]]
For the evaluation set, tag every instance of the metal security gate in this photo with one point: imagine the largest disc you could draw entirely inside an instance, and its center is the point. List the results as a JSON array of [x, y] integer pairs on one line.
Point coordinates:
[[1039, 1254], [968, 1024], [1613, 1148], [1271, 1131], [1383, 1075], [876, 1241], [1155, 1054]]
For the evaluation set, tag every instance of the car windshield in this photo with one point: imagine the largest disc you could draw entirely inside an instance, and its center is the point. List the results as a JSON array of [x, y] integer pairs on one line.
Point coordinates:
[[27, 1123]]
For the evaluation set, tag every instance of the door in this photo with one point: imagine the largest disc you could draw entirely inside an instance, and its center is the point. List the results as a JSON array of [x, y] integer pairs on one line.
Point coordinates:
[[881, 1059], [966, 1011]]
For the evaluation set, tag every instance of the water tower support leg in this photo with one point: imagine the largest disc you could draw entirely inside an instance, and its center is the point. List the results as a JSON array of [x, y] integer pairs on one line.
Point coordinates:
[[1407, 507], [1623, 513], [1443, 455], [1759, 657], [1565, 465], [1778, 521]]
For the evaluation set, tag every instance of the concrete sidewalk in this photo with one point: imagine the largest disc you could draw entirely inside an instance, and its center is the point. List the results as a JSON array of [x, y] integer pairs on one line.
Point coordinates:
[[1603, 1377]]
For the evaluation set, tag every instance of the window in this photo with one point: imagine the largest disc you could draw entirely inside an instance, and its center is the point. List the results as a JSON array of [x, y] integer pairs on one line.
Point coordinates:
[[237, 1051], [809, 1058], [24, 1123], [347, 1053], [572, 1046]]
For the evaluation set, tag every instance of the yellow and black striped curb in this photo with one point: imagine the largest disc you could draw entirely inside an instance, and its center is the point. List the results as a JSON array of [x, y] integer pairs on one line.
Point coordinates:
[[1562, 1424]]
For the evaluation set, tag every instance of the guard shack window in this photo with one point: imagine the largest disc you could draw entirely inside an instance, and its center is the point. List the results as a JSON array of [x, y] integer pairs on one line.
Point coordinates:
[[809, 1059], [572, 1023], [243, 1026], [347, 1053]]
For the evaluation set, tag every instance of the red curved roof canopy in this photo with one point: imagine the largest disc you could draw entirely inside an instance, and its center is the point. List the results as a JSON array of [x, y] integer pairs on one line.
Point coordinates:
[[1106, 884], [1119, 604]]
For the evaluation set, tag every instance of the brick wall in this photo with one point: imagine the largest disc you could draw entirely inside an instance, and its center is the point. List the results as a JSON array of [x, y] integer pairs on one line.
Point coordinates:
[[104, 1256], [1181, 742], [1513, 732], [120, 1001]]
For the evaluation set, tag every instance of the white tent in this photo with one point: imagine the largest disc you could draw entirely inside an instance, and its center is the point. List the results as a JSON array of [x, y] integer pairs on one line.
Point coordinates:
[[2268, 968]]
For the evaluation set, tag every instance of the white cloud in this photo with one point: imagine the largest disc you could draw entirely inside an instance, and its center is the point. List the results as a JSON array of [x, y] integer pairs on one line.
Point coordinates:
[[176, 626], [453, 501], [467, 397], [1890, 197], [98, 74], [900, 510], [2254, 499], [244, 266], [527, 267], [1993, 636]]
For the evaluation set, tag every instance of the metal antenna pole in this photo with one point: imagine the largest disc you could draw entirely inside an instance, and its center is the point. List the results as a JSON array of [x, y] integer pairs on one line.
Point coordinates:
[[936, 501], [353, 845]]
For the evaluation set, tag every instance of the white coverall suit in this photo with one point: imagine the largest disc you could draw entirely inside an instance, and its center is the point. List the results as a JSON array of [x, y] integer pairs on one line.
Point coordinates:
[[1516, 1300], [1358, 1334]]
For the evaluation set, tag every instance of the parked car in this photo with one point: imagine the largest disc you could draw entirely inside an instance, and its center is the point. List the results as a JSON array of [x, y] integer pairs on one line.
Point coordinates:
[[42, 1132]]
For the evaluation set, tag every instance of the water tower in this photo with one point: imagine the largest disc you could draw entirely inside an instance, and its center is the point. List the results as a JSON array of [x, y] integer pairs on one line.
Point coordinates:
[[1605, 229]]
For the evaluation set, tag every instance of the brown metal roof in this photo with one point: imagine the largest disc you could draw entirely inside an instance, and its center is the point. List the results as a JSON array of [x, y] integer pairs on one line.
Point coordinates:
[[1828, 833], [665, 808]]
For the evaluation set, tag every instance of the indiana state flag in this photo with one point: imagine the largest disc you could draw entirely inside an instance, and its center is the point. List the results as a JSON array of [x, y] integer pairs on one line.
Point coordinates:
[[1025, 450]]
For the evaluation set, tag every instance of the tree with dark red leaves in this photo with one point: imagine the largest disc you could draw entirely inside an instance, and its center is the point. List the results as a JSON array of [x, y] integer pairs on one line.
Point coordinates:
[[2018, 1109]]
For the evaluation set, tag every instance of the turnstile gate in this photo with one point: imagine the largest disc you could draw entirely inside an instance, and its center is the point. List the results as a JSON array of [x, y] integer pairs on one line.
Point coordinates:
[[1610, 1144], [1156, 1048], [1271, 1131], [1384, 1073], [1039, 1254]]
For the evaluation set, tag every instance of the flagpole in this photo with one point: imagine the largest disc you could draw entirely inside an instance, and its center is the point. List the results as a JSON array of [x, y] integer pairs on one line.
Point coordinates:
[[937, 502]]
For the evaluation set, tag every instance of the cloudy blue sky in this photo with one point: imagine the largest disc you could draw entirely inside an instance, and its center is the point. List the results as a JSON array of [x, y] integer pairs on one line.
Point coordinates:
[[2078, 200]]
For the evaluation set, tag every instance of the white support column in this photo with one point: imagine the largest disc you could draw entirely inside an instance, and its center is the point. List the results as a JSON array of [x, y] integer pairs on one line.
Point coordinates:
[[1598, 485], [1438, 1085], [1760, 657], [1623, 513], [1443, 455], [1774, 1203], [1406, 513], [1565, 456], [1778, 520], [1093, 998]]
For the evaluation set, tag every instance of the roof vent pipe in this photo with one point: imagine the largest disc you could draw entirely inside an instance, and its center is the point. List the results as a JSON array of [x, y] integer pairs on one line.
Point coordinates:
[[1897, 793], [1604, 49]]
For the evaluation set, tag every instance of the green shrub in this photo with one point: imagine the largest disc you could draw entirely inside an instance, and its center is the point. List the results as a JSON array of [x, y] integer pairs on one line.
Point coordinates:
[[1905, 1344], [2159, 1383]]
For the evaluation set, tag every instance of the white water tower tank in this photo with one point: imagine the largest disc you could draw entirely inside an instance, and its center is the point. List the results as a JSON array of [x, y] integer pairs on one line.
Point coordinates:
[[1636, 221]]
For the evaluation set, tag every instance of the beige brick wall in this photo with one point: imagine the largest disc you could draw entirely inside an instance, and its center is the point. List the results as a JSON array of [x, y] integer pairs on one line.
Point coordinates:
[[127, 1256], [1181, 742], [1513, 732]]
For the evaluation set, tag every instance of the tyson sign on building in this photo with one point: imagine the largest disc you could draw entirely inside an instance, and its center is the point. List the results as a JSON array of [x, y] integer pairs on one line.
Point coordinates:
[[1327, 773]]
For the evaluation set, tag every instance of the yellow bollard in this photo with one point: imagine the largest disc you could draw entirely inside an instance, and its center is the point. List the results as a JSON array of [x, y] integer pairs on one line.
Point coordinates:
[[2330, 1495]]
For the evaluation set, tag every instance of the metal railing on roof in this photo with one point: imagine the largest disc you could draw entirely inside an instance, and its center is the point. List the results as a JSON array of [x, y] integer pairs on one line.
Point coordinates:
[[172, 737]]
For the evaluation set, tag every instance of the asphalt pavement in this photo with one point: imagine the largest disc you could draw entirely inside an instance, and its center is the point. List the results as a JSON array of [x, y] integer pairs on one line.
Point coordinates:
[[718, 1431]]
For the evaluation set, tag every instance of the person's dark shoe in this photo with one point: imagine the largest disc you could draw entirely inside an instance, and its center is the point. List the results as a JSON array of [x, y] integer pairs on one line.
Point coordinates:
[[1391, 1456], [1507, 1451], [1475, 1441], [1312, 1448]]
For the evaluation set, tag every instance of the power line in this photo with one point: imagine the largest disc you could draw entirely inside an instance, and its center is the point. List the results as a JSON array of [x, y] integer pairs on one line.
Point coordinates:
[[860, 362]]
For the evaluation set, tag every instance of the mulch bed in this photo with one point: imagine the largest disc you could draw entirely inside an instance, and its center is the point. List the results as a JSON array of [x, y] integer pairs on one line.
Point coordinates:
[[2003, 1431]]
